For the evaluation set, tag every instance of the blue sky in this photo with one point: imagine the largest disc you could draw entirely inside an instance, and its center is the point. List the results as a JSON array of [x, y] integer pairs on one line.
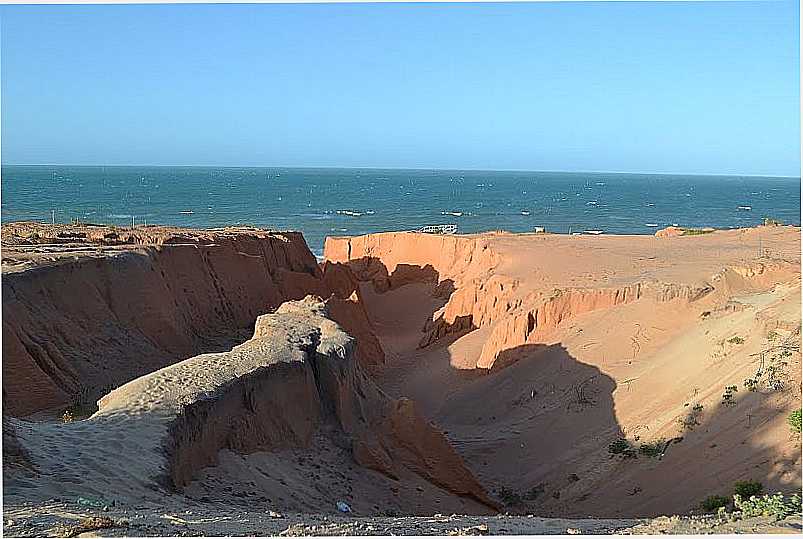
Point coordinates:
[[706, 87]]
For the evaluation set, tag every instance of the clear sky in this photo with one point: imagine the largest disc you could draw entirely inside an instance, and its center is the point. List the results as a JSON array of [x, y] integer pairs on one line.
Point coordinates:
[[708, 87]]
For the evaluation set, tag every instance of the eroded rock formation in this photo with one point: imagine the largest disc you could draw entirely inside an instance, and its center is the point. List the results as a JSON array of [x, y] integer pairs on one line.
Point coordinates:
[[82, 318], [274, 391], [486, 288]]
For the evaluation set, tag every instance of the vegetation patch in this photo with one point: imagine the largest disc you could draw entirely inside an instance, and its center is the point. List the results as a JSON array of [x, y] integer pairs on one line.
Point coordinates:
[[696, 231], [776, 505], [794, 421], [622, 447], [772, 374], [714, 502], [745, 489], [727, 397], [736, 340], [618, 447], [653, 449], [692, 419], [751, 384]]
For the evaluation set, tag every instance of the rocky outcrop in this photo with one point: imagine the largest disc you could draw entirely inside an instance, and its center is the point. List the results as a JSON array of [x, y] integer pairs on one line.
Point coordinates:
[[275, 390], [82, 319]]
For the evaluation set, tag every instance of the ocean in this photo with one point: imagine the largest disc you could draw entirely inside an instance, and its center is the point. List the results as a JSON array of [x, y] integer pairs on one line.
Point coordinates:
[[326, 201]]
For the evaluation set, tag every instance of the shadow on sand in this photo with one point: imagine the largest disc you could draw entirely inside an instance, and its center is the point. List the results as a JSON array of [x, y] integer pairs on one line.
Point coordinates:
[[537, 429]]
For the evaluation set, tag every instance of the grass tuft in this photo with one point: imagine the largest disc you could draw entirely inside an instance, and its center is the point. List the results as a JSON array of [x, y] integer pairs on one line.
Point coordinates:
[[794, 421]]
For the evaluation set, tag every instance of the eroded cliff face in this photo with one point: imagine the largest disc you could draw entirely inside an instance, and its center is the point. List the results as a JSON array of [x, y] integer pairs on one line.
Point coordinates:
[[392, 259], [104, 310], [542, 350], [571, 336], [483, 291], [298, 373], [95, 317]]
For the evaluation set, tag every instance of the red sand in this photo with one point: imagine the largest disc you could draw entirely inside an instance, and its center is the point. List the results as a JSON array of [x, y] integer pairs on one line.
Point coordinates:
[[531, 353], [552, 347]]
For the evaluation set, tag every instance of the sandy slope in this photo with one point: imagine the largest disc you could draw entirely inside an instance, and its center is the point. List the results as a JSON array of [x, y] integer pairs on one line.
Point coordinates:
[[627, 335]]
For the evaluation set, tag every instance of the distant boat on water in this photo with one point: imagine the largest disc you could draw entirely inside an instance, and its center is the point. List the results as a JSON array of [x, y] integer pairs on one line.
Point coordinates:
[[187, 212], [745, 208]]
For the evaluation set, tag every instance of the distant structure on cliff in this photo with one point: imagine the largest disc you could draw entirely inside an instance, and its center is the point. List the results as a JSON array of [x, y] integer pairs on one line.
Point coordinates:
[[438, 229]]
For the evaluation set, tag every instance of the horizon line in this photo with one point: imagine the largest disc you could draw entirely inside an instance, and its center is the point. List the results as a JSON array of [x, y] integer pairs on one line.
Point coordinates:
[[447, 169]]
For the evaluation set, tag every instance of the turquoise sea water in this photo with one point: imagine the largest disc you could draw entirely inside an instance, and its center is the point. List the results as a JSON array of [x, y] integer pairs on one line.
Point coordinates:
[[322, 202]]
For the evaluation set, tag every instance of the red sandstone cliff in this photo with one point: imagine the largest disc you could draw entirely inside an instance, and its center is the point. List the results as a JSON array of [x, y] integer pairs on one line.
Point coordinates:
[[488, 283], [86, 318]]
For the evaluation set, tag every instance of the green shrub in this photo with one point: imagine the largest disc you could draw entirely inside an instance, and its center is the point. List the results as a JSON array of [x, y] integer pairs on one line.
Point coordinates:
[[714, 502], [696, 231], [794, 421], [652, 449], [745, 489], [622, 447], [776, 505], [618, 446], [736, 340]]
